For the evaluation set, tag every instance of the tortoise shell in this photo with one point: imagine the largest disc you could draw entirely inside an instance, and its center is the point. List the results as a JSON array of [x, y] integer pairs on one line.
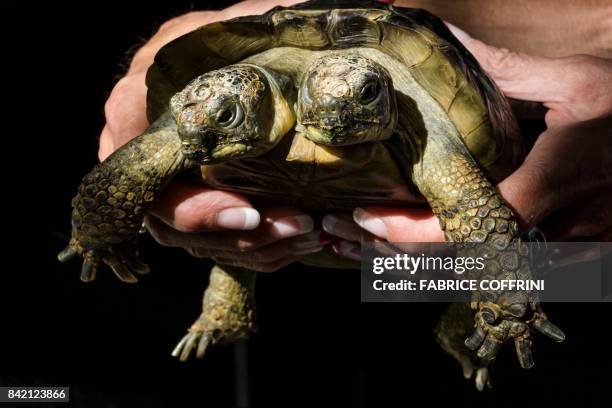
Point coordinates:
[[430, 53]]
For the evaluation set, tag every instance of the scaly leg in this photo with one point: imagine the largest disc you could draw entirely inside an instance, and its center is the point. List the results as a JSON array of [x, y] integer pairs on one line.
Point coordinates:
[[112, 199], [471, 211], [228, 311]]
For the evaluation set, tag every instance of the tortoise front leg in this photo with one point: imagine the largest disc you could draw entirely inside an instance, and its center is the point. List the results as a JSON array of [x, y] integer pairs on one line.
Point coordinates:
[[228, 311], [112, 199], [471, 211]]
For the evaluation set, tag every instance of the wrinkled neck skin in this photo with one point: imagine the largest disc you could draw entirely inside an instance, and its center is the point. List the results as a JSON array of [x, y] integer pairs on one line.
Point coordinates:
[[283, 100], [153, 158]]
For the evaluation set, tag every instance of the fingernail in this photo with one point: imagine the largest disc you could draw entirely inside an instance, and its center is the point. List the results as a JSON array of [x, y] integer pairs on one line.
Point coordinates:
[[347, 249], [291, 226], [457, 32], [370, 223], [328, 223], [313, 239], [240, 218]]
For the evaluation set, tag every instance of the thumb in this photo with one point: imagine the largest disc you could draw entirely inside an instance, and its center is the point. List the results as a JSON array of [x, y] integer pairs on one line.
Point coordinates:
[[518, 75], [575, 88], [399, 225]]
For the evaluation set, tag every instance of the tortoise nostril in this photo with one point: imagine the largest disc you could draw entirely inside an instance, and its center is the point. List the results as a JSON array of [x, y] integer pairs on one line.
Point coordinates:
[[189, 130], [329, 121], [330, 105]]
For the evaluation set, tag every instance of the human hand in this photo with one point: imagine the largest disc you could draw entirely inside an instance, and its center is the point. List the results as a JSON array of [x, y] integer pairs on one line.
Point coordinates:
[[548, 28], [565, 184], [187, 214]]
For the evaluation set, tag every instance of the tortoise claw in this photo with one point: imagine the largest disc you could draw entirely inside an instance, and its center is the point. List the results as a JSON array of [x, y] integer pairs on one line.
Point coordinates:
[[476, 339], [137, 266], [202, 345], [454, 325], [122, 258], [177, 349], [67, 254], [89, 270], [523, 352], [195, 335], [122, 272], [489, 348], [548, 329], [483, 378], [496, 324]]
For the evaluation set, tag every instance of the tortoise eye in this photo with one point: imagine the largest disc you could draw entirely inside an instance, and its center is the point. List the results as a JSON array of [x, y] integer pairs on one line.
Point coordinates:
[[230, 116], [368, 93]]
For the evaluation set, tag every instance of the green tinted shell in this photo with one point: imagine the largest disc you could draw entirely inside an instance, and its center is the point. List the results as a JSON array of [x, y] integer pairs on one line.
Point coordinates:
[[420, 41]]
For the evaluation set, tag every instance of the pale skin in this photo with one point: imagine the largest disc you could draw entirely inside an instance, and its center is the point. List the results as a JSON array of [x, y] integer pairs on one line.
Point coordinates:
[[211, 223], [550, 28]]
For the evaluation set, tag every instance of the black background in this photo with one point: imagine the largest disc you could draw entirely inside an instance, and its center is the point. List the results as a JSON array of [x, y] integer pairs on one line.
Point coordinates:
[[111, 342]]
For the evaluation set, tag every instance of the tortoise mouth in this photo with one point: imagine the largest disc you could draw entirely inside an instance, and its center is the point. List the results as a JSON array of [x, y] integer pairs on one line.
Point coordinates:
[[228, 150], [335, 135], [214, 154]]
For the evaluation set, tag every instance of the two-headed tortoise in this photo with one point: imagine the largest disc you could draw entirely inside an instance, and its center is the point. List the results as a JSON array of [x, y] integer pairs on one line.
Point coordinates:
[[329, 105]]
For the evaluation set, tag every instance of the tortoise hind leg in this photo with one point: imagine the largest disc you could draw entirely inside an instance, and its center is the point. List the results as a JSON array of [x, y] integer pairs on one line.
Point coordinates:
[[455, 325], [228, 312]]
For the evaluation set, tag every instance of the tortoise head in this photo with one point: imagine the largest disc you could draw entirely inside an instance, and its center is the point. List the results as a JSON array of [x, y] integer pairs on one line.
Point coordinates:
[[346, 99], [234, 112]]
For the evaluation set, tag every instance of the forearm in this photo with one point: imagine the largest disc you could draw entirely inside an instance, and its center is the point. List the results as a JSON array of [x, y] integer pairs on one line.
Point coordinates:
[[546, 27]]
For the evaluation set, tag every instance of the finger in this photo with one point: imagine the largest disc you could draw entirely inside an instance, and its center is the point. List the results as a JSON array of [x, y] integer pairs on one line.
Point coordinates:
[[400, 225], [347, 249], [575, 88], [301, 245], [106, 144], [545, 183], [277, 224], [125, 110], [518, 75], [252, 7], [188, 207], [343, 226]]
